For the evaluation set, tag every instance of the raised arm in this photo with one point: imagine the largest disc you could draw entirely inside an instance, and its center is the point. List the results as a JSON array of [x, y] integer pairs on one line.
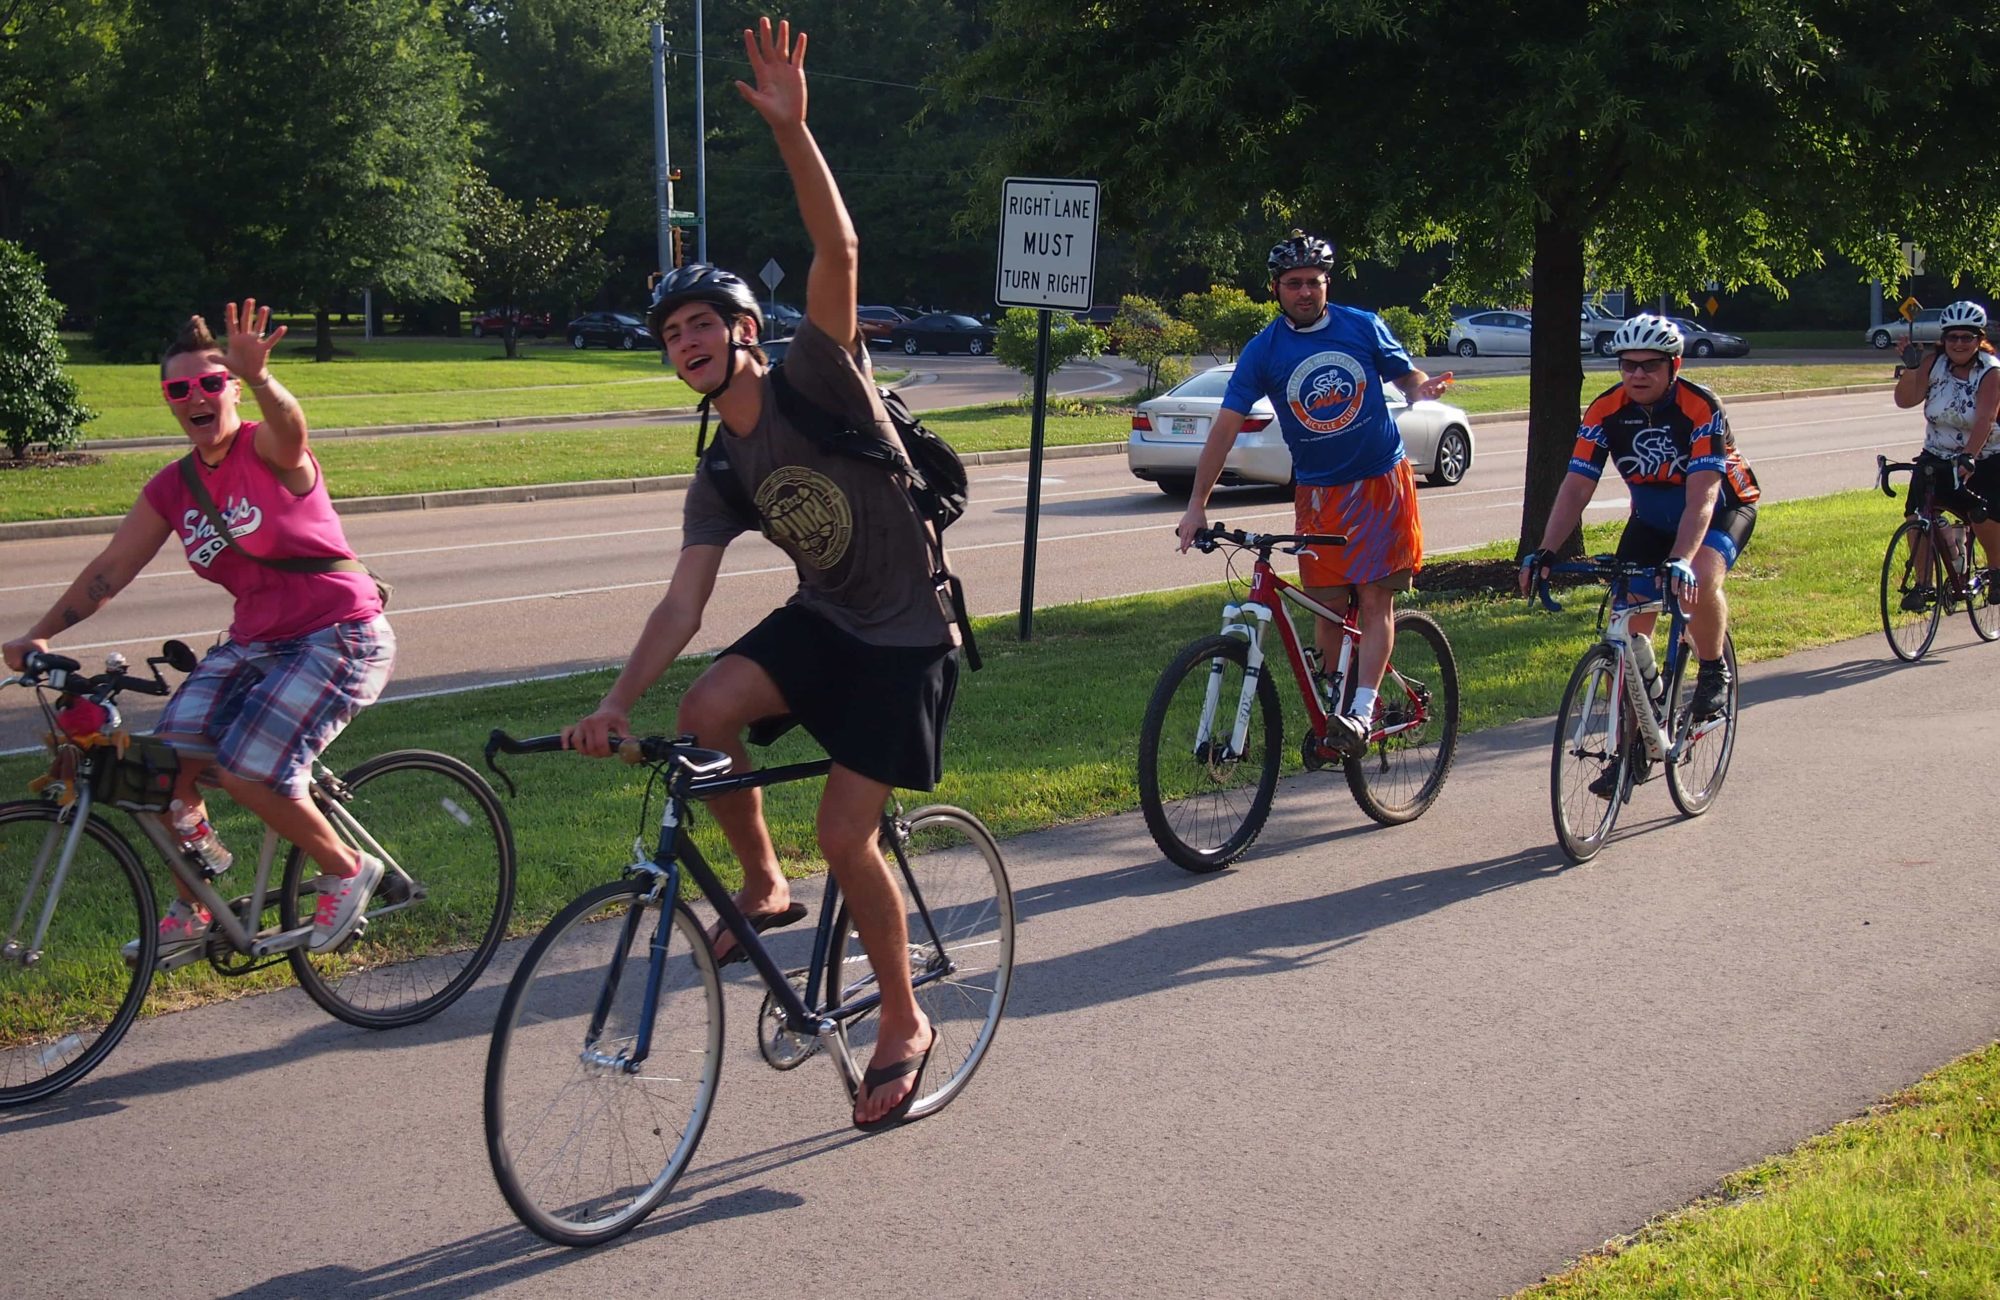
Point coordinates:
[[281, 435], [777, 60]]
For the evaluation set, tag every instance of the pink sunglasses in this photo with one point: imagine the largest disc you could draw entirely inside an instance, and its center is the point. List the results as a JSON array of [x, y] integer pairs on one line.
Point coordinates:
[[179, 390]]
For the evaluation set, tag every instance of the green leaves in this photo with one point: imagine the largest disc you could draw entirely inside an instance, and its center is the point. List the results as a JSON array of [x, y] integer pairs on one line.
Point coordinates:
[[38, 402], [544, 257], [1014, 341]]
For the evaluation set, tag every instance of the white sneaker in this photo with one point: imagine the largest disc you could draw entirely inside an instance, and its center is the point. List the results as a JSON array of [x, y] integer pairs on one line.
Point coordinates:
[[184, 923], [342, 899]]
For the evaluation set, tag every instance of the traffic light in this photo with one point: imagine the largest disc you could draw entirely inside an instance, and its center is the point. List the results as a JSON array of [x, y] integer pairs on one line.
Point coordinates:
[[673, 173]]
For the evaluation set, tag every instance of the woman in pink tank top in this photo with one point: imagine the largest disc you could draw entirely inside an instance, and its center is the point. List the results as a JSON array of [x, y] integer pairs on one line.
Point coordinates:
[[305, 651]]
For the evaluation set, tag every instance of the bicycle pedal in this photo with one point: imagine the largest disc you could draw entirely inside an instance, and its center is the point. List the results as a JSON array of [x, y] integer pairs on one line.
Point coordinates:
[[395, 888], [354, 937]]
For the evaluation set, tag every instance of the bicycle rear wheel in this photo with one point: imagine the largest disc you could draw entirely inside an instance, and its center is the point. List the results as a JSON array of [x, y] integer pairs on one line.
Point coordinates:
[[585, 1144], [964, 954], [66, 1005], [443, 903], [1696, 777], [1985, 615], [1911, 606], [1205, 802], [1399, 776], [1589, 751]]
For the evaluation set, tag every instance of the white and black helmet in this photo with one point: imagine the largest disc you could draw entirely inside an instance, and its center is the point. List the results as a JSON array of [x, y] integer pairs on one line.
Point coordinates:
[[1300, 250], [1963, 315], [1648, 333]]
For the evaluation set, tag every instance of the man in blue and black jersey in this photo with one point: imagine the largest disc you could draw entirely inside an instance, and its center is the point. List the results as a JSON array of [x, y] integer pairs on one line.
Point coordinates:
[[1694, 497]]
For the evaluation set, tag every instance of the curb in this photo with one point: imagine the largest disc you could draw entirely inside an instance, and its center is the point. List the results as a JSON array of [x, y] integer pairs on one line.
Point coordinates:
[[98, 524]]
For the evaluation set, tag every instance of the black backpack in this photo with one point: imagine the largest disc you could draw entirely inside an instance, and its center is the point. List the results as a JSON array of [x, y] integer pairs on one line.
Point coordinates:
[[934, 472]]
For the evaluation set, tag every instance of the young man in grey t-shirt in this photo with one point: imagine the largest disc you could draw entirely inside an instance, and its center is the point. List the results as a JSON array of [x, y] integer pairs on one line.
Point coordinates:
[[862, 655]]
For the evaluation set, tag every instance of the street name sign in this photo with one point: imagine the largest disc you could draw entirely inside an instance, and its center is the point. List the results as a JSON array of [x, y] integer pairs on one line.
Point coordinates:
[[1048, 243]]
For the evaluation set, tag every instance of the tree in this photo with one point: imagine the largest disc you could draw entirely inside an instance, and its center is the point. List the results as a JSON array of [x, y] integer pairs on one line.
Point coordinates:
[[1664, 145], [1069, 340], [38, 402], [1149, 336], [544, 257], [1224, 318], [297, 149]]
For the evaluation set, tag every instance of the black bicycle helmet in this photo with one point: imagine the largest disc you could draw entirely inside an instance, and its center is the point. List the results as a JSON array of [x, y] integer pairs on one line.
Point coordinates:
[[1300, 250], [700, 282]]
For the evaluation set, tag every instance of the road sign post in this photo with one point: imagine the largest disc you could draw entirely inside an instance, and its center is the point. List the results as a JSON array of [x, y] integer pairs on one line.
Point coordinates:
[[1048, 262], [772, 275]]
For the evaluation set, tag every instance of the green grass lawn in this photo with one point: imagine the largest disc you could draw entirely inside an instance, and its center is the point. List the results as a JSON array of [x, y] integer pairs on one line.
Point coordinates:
[[359, 467], [1760, 339], [1480, 395]]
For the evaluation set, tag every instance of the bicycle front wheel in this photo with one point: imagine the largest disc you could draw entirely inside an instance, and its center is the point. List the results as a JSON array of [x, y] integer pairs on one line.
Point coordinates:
[[1206, 799], [959, 910], [1695, 778], [585, 1141], [65, 1002], [1911, 605], [442, 907], [1590, 767], [1415, 727]]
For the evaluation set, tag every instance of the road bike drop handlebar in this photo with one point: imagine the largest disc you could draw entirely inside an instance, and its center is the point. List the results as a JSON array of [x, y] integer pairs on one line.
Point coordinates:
[[1207, 539], [1961, 471], [1604, 567]]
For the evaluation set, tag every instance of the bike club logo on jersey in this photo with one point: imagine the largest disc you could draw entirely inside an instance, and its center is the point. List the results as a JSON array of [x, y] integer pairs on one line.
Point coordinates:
[[1325, 393], [1654, 458]]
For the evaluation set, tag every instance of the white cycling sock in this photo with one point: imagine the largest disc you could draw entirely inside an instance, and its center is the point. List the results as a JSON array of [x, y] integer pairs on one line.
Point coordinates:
[[1364, 703]]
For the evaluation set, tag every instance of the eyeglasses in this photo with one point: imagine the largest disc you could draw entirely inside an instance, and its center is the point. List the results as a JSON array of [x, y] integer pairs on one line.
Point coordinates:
[[179, 390], [1294, 284], [1960, 336], [1652, 367]]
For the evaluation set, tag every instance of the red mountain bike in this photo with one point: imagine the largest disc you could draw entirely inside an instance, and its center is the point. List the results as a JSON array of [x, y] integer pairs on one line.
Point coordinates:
[[1213, 737]]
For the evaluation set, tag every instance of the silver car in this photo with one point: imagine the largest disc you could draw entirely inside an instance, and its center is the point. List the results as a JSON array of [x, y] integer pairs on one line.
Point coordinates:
[[1923, 328], [1168, 433], [1498, 334], [1702, 342]]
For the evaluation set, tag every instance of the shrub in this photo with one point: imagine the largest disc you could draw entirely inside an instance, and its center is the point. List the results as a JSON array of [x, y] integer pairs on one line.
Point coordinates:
[[1150, 337], [38, 402], [1225, 318], [1069, 340], [1408, 327]]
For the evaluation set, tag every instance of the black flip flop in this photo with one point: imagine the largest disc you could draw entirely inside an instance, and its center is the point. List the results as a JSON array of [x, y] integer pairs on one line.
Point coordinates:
[[760, 922], [875, 1078]]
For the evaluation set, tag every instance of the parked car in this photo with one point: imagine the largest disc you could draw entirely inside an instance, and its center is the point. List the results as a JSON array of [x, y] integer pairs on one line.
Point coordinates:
[[1699, 341], [1599, 325], [1923, 328], [1168, 432], [781, 320], [611, 329], [1498, 334], [877, 323], [942, 332], [1102, 317], [495, 320]]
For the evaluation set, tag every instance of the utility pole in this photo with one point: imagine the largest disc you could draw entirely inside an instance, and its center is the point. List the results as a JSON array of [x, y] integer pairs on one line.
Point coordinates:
[[663, 185], [700, 139]]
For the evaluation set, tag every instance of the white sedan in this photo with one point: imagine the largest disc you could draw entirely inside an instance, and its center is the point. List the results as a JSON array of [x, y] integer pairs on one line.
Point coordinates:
[[1500, 334], [1169, 430]]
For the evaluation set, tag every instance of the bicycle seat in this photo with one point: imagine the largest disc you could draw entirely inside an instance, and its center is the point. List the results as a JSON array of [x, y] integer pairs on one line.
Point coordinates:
[[701, 762]]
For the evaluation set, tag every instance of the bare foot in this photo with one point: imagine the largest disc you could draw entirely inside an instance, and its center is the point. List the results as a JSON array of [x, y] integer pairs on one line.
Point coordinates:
[[765, 902], [890, 1052]]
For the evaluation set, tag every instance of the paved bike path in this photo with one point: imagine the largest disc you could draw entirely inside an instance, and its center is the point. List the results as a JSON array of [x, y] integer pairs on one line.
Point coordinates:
[[1430, 1061]]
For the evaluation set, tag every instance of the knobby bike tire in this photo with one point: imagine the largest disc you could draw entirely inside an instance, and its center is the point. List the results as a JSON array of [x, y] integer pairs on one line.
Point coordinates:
[[1587, 745], [1398, 778], [69, 1008], [444, 827], [962, 882], [1695, 778], [1910, 633], [630, 1133], [1204, 811]]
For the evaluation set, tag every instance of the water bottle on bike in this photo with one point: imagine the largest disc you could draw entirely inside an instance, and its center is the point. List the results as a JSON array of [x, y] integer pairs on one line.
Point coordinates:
[[198, 840]]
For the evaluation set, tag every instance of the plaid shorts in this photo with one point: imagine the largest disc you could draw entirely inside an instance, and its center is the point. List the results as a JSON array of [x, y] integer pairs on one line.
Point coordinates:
[[265, 709]]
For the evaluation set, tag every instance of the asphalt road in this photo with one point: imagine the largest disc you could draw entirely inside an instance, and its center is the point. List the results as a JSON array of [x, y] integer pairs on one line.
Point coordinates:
[[506, 592], [1428, 1062]]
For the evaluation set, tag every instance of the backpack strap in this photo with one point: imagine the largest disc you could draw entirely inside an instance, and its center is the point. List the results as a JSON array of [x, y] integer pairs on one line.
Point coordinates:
[[291, 564]]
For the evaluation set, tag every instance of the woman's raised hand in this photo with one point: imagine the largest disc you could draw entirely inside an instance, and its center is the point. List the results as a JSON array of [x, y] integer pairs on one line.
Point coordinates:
[[778, 62], [248, 350]]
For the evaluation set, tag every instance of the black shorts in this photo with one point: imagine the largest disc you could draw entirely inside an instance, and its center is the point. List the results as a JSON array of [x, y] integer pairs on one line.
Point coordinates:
[[877, 710], [1973, 502], [1729, 530]]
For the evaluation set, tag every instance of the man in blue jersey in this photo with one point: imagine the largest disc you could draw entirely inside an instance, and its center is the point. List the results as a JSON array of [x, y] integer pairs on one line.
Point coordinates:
[[1322, 366]]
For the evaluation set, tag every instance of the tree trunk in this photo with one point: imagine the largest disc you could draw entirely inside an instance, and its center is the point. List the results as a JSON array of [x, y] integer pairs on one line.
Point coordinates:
[[513, 336], [1555, 371], [322, 334]]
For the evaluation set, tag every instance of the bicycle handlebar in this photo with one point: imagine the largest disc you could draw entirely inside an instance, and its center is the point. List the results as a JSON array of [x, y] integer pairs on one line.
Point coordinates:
[[64, 674], [630, 749], [1606, 567], [1207, 539]]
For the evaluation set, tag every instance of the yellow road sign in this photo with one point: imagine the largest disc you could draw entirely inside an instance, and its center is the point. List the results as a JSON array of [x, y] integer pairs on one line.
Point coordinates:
[[1909, 309]]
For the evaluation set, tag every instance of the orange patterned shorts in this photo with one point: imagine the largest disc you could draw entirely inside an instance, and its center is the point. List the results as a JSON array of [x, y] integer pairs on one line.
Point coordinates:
[[1378, 516]]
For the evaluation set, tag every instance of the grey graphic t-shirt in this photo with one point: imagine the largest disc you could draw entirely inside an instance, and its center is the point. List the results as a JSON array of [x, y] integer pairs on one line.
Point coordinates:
[[863, 559]]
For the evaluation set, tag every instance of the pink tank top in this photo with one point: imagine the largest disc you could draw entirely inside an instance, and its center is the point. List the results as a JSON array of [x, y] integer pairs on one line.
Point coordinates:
[[266, 519]]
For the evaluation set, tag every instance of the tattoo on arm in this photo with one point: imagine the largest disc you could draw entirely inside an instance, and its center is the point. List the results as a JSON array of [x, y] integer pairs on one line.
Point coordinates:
[[70, 618], [99, 589]]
